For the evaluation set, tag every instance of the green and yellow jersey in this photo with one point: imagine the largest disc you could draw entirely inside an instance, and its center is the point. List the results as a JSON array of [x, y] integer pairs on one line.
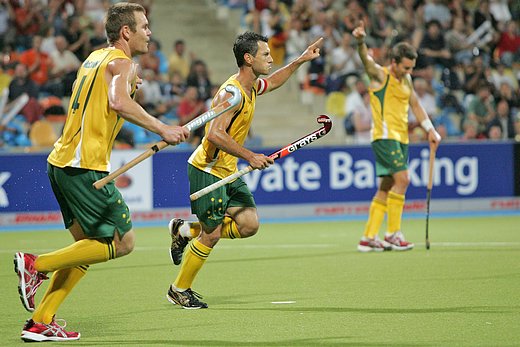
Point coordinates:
[[207, 157], [91, 126], [389, 106]]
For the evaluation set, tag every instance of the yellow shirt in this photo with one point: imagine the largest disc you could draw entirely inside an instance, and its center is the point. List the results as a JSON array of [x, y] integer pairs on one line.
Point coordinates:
[[209, 158], [91, 126], [390, 105]]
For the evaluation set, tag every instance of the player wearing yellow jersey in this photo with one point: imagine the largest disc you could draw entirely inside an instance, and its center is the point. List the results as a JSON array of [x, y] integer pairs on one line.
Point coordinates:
[[98, 220], [391, 94], [230, 211]]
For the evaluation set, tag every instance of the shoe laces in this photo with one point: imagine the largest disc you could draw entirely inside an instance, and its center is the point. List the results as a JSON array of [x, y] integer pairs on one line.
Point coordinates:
[[193, 294], [58, 325], [55, 328], [36, 281]]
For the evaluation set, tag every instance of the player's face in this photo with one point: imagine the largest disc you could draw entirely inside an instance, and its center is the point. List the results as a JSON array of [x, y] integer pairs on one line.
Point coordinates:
[[405, 67], [262, 61], [139, 40]]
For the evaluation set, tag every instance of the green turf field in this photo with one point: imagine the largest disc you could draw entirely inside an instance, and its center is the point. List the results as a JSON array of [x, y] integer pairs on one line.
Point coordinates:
[[465, 291]]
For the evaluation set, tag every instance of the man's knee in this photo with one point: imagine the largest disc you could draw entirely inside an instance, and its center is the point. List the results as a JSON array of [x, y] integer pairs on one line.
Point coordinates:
[[125, 244], [249, 229]]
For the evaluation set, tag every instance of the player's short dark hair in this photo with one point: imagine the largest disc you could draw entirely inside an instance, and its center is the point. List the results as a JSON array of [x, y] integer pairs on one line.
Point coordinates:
[[403, 50], [246, 43], [119, 15]]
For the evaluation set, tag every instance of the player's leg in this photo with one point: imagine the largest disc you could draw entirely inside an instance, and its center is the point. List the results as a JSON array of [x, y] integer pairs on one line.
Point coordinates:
[[241, 219], [199, 249], [376, 214], [102, 214], [378, 207], [181, 232], [395, 202], [210, 211], [396, 198], [42, 325]]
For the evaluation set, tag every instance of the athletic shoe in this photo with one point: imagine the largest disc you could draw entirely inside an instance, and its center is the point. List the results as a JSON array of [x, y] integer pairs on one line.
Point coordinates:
[[188, 299], [373, 245], [178, 241], [39, 332], [398, 242], [28, 278]]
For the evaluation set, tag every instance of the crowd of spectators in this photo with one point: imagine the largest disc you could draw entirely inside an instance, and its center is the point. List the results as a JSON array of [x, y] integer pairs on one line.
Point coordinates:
[[467, 74]]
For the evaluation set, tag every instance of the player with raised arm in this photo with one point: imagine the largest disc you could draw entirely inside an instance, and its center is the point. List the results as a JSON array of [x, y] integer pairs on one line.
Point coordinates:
[[391, 94], [99, 220], [229, 211]]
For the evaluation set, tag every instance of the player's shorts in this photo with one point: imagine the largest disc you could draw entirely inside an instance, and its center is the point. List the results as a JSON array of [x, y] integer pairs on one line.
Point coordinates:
[[99, 212], [391, 157], [211, 208]]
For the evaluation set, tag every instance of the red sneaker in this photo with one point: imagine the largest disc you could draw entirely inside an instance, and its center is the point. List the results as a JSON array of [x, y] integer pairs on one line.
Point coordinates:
[[373, 245], [398, 241], [38, 332], [28, 278]]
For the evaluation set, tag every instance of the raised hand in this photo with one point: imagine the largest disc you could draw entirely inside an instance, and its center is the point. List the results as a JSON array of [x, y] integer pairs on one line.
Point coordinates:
[[359, 32], [313, 51]]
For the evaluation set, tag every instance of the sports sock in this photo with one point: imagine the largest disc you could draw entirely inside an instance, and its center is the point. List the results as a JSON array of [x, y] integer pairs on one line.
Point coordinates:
[[194, 258], [376, 215], [82, 252], [190, 229], [229, 229], [61, 284], [395, 211]]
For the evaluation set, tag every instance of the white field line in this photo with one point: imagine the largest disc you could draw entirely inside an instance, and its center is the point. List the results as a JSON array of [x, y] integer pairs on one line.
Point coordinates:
[[236, 246]]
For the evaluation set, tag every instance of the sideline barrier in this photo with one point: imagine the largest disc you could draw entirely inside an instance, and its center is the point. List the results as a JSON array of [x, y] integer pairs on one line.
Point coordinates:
[[315, 182]]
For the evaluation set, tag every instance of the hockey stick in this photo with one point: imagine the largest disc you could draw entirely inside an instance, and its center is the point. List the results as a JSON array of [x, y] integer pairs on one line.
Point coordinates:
[[304, 141], [429, 194], [192, 125]]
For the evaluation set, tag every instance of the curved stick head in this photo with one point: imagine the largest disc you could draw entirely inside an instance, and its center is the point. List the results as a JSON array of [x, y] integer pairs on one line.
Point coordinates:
[[237, 96], [326, 121]]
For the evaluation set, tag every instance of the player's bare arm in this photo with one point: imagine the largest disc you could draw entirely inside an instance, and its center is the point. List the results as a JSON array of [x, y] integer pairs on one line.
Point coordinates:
[[280, 76], [119, 75], [420, 113], [218, 136], [373, 70]]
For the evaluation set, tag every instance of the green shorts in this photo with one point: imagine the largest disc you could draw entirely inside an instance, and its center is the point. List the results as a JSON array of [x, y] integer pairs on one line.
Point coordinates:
[[211, 208], [99, 212], [391, 157]]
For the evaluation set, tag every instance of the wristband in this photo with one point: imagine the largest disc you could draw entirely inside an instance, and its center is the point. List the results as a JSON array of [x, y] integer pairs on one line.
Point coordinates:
[[427, 124]]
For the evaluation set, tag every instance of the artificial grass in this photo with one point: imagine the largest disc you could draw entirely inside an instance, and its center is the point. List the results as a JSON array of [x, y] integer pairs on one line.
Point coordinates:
[[462, 292]]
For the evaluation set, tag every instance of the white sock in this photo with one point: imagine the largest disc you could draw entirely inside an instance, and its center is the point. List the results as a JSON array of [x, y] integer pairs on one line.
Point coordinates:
[[184, 230]]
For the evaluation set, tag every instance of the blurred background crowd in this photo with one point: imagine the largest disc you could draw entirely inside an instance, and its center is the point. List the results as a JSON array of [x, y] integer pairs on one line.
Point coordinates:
[[467, 74]]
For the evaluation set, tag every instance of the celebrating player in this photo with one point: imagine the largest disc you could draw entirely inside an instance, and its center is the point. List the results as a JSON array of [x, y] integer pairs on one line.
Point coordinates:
[[230, 211], [391, 93], [98, 220]]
